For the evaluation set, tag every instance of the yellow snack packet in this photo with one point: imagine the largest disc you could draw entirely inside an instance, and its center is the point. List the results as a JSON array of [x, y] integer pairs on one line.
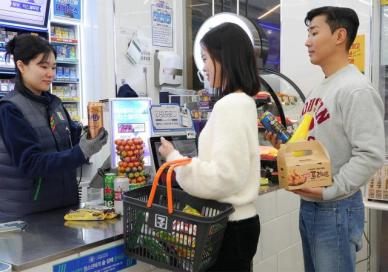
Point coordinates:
[[83, 214], [190, 210]]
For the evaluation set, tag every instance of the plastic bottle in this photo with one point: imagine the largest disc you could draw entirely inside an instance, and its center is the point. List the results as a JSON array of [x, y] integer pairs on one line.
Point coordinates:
[[121, 185]]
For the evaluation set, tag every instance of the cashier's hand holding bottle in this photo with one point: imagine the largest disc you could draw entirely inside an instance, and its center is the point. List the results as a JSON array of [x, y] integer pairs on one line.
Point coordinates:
[[166, 148], [92, 146]]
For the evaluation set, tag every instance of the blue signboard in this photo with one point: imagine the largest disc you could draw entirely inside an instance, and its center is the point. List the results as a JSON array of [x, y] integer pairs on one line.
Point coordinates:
[[110, 259], [68, 9]]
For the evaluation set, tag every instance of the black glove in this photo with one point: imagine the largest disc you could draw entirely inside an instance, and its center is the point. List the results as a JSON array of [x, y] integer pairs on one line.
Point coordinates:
[[92, 146]]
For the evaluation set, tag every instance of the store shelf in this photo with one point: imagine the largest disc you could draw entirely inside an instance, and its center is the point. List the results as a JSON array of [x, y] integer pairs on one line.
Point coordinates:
[[7, 71], [65, 38], [3, 93], [60, 81], [75, 118], [57, 40], [69, 99], [67, 61]]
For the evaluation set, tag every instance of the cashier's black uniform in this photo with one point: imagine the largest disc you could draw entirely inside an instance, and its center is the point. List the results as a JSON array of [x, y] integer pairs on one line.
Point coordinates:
[[37, 163]]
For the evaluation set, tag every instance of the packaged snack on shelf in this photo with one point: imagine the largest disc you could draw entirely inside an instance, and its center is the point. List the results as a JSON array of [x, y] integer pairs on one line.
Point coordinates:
[[59, 74], [66, 73], [73, 74]]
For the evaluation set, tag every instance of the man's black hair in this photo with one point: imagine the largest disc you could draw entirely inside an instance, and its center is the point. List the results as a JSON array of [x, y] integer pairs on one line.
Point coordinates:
[[337, 17]]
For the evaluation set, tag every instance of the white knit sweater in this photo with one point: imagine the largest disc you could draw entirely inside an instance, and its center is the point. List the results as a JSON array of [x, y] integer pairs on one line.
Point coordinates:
[[227, 168]]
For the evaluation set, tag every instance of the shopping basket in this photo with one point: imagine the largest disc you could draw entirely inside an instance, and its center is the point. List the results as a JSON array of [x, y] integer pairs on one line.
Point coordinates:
[[168, 237]]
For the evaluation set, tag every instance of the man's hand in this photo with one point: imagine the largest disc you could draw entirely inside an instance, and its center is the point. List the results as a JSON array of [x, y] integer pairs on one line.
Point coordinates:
[[310, 192], [273, 139]]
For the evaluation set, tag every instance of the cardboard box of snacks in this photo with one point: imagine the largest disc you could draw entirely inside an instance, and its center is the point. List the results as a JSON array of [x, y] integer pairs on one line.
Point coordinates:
[[304, 164]]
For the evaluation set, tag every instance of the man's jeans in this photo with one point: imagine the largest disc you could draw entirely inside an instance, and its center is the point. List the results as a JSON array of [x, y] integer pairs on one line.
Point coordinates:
[[331, 233]]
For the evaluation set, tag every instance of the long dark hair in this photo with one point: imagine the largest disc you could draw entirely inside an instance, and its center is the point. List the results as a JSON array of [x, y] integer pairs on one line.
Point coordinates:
[[25, 47], [229, 45]]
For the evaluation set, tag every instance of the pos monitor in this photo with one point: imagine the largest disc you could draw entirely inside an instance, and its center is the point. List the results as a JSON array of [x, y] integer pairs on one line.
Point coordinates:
[[186, 146], [128, 118], [31, 14]]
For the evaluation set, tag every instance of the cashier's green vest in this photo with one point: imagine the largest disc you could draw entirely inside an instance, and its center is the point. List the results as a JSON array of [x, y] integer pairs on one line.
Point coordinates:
[[21, 194]]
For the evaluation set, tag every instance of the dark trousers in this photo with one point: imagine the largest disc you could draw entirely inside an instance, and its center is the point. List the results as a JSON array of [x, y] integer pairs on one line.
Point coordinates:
[[238, 246]]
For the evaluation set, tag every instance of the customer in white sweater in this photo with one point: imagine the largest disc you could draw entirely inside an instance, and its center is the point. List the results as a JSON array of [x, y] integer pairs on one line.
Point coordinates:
[[227, 168]]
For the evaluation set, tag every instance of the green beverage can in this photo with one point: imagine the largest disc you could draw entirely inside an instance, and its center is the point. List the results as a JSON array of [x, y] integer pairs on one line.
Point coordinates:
[[109, 193]]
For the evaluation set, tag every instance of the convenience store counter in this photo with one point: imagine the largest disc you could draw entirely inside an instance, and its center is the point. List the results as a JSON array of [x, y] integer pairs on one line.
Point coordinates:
[[48, 237], [49, 241]]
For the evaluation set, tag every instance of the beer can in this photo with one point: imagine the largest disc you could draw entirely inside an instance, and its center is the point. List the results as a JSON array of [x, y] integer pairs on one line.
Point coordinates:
[[95, 119], [109, 189], [271, 124], [121, 185]]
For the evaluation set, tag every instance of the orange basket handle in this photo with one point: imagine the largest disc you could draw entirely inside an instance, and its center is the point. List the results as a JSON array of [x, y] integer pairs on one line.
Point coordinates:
[[169, 185], [155, 182]]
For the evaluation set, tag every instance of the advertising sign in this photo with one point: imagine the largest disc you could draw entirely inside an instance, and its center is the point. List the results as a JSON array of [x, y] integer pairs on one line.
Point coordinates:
[[357, 53], [162, 23], [111, 259], [68, 9]]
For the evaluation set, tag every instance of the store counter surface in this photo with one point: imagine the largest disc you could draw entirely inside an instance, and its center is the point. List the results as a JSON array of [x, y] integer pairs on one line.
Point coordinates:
[[49, 237]]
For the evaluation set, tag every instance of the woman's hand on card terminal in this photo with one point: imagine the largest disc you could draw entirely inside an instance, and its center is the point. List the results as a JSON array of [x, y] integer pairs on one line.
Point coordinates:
[[165, 148]]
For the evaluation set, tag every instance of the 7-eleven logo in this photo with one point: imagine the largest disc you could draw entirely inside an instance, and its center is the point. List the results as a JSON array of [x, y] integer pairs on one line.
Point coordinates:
[[161, 221]]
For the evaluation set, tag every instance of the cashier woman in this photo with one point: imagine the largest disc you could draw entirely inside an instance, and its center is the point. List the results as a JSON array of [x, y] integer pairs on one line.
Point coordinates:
[[227, 166], [40, 146]]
